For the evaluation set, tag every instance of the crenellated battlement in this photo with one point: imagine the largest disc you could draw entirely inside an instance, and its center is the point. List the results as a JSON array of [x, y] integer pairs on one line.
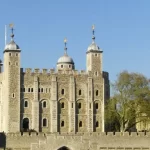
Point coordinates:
[[103, 141], [100, 134], [53, 71]]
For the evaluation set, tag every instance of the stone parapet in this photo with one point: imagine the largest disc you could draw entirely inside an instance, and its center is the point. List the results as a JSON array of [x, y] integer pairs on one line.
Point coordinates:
[[53, 71]]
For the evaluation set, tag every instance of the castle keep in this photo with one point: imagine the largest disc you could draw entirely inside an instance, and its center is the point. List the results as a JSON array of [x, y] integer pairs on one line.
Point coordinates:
[[60, 100], [63, 107]]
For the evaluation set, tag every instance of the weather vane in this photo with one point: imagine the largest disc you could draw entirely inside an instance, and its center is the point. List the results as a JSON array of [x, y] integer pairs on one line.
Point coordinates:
[[12, 29], [93, 30], [65, 41]]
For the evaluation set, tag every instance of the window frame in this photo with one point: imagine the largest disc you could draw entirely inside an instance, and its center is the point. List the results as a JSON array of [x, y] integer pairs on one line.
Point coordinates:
[[62, 123], [44, 104], [44, 124], [26, 102], [80, 124]]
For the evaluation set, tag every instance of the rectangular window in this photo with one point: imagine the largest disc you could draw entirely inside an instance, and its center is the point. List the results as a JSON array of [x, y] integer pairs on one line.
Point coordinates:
[[62, 123], [72, 105], [79, 105], [96, 105], [62, 91], [90, 105], [31, 89]]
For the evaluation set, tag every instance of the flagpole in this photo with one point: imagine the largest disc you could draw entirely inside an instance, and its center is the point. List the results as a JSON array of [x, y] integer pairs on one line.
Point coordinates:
[[5, 34]]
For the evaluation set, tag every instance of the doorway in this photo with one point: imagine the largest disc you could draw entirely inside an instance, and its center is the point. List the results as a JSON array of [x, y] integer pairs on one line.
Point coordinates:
[[25, 124]]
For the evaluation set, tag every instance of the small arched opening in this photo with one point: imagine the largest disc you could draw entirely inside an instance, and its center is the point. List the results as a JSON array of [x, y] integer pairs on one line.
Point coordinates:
[[25, 124], [64, 148]]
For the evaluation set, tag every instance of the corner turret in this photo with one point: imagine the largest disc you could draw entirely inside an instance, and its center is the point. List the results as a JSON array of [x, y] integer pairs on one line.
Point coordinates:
[[11, 112], [94, 57]]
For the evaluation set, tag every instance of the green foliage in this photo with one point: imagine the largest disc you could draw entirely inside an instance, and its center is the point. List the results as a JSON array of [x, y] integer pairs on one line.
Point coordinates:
[[130, 102]]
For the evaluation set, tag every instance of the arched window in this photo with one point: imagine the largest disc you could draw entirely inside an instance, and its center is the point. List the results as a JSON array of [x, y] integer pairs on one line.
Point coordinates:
[[96, 92], [96, 105], [44, 104], [79, 105], [62, 105], [28, 89], [62, 123], [26, 104], [62, 91], [79, 92], [80, 124], [41, 90], [44, 122], [97, 124]]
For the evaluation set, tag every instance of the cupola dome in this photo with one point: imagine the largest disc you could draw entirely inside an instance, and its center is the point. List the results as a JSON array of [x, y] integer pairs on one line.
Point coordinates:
[[93, 46], [12, 46], [65, 61]]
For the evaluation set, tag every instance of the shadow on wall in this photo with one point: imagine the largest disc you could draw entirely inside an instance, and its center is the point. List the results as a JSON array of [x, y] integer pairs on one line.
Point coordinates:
[[2, 140]]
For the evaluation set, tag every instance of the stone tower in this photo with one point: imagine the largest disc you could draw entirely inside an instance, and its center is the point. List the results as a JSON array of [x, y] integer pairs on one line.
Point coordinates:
[[94, 57], [12, 86], [95, 90]]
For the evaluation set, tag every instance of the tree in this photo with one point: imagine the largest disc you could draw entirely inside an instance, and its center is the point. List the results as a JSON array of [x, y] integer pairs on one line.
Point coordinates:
[[130, 103]]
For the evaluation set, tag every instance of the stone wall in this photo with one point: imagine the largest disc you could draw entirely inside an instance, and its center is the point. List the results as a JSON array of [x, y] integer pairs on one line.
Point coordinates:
[[86, 141], [39, 86]]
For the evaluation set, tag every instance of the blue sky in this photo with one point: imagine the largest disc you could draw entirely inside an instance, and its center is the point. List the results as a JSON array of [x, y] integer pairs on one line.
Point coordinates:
[[122, 31]]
